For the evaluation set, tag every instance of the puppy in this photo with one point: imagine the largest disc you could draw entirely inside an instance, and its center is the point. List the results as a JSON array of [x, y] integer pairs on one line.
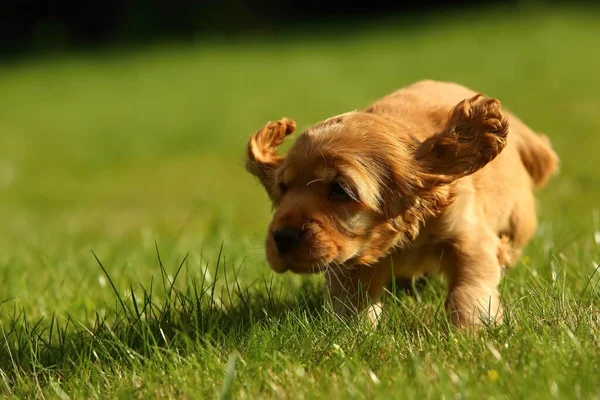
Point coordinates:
[[431, 178]]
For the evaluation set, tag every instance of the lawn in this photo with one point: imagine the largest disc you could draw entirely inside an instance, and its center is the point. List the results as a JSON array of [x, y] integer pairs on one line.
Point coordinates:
[[131, 255]]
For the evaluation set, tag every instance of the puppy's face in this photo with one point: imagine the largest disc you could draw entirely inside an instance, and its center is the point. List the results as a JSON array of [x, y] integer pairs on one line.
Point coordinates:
[[350, 189], [328, 194]]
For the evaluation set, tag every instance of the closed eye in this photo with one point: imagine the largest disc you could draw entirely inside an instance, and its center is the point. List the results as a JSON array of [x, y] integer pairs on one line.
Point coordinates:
[[339, 192]]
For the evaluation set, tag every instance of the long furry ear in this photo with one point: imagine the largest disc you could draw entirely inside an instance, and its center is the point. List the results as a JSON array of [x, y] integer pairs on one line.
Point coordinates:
[[474, 135], [262, 159]]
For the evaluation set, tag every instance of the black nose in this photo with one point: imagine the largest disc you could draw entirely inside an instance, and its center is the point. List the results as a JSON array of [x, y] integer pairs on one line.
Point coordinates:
[[286, 238]]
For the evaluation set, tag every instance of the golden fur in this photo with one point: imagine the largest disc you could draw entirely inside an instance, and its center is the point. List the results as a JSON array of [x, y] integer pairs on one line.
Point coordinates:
[[431, 178]]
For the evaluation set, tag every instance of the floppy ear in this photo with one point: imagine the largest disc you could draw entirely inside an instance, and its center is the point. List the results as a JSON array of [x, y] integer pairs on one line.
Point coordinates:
[[262, 159], [474, 135]]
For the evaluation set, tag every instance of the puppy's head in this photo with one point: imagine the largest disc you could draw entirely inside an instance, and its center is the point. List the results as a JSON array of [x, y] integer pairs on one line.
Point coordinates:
[[354, 186]]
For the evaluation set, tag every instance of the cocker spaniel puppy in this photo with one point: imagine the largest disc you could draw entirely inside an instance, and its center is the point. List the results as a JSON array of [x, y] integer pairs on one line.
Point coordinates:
[[431, 178]]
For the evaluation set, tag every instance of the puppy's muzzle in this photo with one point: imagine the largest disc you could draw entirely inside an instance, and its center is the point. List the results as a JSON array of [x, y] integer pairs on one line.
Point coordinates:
[[286, 239]]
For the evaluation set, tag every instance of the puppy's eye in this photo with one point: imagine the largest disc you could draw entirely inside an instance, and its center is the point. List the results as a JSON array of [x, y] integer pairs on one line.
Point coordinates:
[[338, 192], [282, 187]]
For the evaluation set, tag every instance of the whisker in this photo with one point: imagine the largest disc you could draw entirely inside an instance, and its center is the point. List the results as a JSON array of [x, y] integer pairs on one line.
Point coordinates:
[[315, 180]]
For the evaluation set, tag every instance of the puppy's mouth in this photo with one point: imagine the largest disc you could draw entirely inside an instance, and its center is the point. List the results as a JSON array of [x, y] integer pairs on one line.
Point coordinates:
[[311, 269], [310, 250], [282, 264], [299, 261]]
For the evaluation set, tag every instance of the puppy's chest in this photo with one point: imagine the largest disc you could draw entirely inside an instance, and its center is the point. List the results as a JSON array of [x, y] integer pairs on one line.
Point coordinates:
[[424, 256]]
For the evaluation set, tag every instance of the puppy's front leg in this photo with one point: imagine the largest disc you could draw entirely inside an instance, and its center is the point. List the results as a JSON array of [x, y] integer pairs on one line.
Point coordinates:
[[474, 277], [357, 290]]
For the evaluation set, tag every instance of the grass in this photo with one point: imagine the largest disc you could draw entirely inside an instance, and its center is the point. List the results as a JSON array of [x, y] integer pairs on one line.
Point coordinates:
[[131, 259]]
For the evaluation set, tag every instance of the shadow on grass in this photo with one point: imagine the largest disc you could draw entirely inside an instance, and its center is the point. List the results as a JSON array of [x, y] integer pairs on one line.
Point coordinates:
[[201, 314]]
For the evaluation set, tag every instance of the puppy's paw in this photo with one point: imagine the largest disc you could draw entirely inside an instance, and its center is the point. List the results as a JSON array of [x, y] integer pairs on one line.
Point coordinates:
[[473, 306]]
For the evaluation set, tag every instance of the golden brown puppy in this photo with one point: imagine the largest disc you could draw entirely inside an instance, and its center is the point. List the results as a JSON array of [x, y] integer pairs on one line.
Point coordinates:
[[433, 177]]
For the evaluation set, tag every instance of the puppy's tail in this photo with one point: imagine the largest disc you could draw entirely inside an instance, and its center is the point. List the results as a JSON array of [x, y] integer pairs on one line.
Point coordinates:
[[537, 155]]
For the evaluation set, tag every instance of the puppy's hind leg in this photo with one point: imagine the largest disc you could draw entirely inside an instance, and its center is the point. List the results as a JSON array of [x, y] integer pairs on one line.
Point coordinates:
[[508, 254], [411, 286]]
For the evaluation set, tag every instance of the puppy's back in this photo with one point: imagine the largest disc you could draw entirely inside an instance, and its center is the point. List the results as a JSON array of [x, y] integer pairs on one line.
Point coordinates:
[[535, 151]]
